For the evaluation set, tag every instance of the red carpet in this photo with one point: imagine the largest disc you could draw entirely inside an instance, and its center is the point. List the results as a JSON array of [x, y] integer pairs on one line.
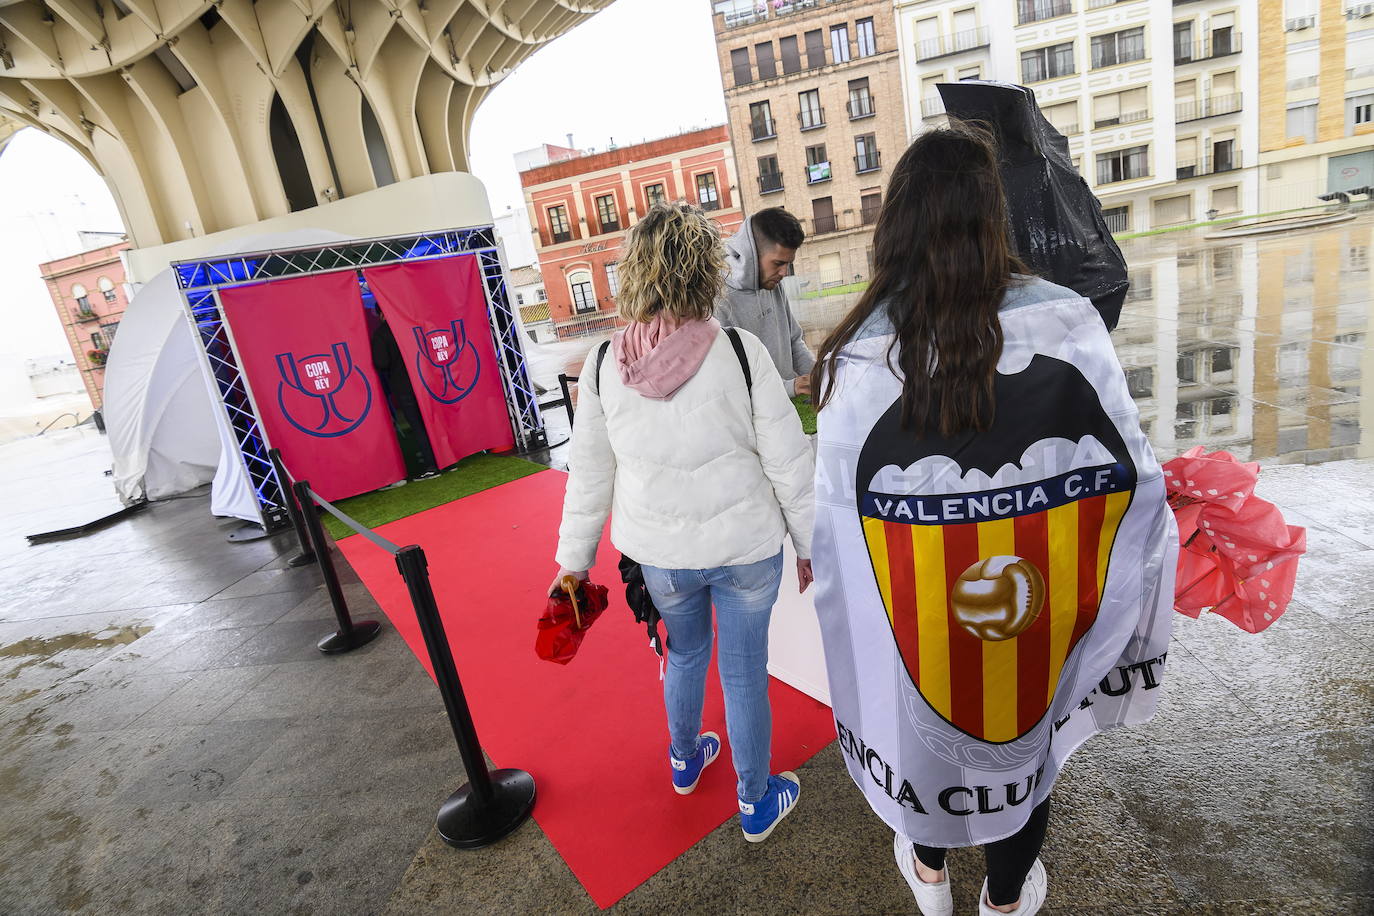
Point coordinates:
[[592, 733]]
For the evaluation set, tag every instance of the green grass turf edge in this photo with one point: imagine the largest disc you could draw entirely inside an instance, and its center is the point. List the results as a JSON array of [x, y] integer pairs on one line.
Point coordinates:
[[471, 475], [806, 412]]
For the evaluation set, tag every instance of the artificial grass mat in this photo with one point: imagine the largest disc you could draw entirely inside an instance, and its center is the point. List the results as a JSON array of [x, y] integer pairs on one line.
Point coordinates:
[[806, 412], [471, 475]]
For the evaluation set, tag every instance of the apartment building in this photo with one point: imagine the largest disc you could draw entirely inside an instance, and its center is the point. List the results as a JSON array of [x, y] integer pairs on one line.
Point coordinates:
[[1316, 99], [90, 296], [582, 206], [813, 90], [1152, 94]]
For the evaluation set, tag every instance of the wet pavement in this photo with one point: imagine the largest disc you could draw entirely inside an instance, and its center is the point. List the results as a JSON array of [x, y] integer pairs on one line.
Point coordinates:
[[171, 741]]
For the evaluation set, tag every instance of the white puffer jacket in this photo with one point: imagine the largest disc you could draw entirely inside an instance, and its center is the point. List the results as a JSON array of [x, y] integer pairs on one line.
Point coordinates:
[[708, 477]]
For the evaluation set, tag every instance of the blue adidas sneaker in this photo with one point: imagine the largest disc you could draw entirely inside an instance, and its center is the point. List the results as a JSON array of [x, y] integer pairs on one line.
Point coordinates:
[[759, 818], [687, 773]]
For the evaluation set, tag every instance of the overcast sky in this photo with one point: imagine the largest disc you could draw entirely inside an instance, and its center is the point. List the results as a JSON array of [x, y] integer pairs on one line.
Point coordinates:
[[639, 69]]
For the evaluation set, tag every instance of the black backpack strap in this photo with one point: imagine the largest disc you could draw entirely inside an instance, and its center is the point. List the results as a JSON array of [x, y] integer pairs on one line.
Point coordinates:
[[600, 358], [733, 334]]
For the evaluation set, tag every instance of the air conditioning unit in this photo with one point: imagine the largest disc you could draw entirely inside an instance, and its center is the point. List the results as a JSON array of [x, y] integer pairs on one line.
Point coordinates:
[[1298, 23], [1360, 11]]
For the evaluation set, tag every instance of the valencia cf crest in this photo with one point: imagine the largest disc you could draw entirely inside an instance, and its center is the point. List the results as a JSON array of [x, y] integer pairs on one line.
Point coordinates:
[[323, 394], [446, 362], [991, 551]]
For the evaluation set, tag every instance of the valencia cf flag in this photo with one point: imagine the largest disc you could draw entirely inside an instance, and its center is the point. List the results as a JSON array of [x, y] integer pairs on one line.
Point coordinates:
[[990, 600]]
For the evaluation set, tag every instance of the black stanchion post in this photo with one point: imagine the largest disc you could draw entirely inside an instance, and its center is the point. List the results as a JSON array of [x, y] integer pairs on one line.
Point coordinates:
[[307, 554], [350, 635], [493, 803], [567, 396]]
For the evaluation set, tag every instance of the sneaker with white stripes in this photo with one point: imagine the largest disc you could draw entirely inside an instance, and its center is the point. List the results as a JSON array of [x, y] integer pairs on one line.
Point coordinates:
[[687, 773], [758, 819]]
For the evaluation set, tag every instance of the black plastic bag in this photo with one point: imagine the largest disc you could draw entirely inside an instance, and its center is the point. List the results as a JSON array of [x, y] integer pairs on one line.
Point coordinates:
[[1056, 221]]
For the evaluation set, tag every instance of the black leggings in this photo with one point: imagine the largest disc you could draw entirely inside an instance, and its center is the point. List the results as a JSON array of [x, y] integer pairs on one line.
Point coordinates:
[[1009, 860]]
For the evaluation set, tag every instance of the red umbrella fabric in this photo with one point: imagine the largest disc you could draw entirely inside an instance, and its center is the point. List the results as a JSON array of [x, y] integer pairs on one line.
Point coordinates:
[[567, 617], [1238, 558]]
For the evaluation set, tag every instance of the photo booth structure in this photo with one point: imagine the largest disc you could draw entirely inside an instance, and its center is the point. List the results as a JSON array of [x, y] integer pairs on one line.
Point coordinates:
[[204, 283]]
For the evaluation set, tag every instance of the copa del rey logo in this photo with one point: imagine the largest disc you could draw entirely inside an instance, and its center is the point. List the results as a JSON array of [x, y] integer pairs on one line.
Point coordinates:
[[446, 362], [323, 394]]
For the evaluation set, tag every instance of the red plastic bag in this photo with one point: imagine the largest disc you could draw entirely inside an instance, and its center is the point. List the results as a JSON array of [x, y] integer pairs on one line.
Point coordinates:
[[1238, 557], [567, 617]]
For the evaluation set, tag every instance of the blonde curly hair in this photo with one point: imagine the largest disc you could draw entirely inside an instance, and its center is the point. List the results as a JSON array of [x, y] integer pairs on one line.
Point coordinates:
[[673, 262]]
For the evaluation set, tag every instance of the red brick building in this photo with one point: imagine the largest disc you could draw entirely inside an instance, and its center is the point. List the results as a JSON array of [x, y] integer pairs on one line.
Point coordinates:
[[581, 208], [88, 291]]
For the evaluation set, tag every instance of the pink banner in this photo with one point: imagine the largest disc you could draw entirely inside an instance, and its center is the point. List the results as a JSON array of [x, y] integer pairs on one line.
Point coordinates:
[[304, 348], [438, 312]]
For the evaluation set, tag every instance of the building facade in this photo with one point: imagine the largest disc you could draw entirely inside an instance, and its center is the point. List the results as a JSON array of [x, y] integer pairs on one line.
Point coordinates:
[[90, 296], [581, 208], [1316, 99], [1158, 99], [814, 94]]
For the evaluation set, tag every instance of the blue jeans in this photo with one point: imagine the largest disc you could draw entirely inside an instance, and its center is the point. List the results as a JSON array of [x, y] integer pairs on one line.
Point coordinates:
[[744, 598]]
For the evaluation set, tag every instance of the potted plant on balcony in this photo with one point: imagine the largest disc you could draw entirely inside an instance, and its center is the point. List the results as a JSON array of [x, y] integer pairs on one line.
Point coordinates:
[[86, 314], [98, 356]]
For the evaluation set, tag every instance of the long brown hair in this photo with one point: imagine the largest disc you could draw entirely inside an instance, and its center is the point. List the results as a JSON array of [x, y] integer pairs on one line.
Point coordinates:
[[941, 265]]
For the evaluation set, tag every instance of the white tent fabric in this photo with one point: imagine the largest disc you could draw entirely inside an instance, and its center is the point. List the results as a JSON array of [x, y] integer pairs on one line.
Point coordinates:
[[167, 429]]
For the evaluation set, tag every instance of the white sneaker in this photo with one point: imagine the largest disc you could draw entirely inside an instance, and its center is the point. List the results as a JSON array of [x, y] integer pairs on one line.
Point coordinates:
[[931, 899], [1032, 894]]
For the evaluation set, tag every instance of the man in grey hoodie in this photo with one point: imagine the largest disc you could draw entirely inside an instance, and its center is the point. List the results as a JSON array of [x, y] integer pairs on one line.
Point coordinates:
[[757, 258]]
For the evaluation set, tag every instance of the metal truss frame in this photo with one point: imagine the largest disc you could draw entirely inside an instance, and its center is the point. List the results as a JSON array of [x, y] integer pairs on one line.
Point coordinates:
[[201, 279]]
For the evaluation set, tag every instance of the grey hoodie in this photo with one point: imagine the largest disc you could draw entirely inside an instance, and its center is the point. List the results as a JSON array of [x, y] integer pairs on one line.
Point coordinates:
[[764, 313]]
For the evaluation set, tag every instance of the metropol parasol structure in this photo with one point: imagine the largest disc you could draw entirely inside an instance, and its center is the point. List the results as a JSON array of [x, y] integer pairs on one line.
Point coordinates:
[[205, 117]]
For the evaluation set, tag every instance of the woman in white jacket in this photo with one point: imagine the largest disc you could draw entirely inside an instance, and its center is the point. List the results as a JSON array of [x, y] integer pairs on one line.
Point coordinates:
[[703, 469]]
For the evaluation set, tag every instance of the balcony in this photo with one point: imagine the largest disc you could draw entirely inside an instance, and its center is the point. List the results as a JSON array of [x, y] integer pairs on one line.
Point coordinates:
[[811, 118], [763, 129], [868, 214], [1067, 130], [843, 221], [820, 225], [956, 43], [860, 108], [610, 226], [1197, 109], [869, 162], [817, 172], [1214, 46], [560, 237], [713, 204], [932, 106], [586, 325], [1028, 11], [770, 182], [748, 12], [1207, 165], [87, 315], [1125, 117]]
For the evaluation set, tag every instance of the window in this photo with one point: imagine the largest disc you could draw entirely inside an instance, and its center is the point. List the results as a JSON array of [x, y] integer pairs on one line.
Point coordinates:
[[863, 34], [969, 73], [1118, 47], [832, 271], [1123, 164], [97, 341], [653, 193], [839, 43], [770, 178], [708, 196], [1224, 155], [870, 205], [1118, 219], [764, 55], [1183, 42], [584, 299], [815, 49], [1302, 121], [865, 153], [541, 295], [823, 215], [1140, 382], [860, 100], [1359, 110], [817, 164], [1303, 64], [1035, 10], [81, 296], [519, 298], [1121, 107], [107, 288], [607, 214], [811, 114], [1063, 116], [791, 57], [761, 126], [1047, 63], [558, 224], [613, 278], [1224, 35], [739, 66], [1176, 209]]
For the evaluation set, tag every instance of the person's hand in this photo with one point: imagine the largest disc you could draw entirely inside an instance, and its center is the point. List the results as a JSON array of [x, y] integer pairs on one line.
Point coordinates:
[[557, 585], [802, 385], [804, 575]]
